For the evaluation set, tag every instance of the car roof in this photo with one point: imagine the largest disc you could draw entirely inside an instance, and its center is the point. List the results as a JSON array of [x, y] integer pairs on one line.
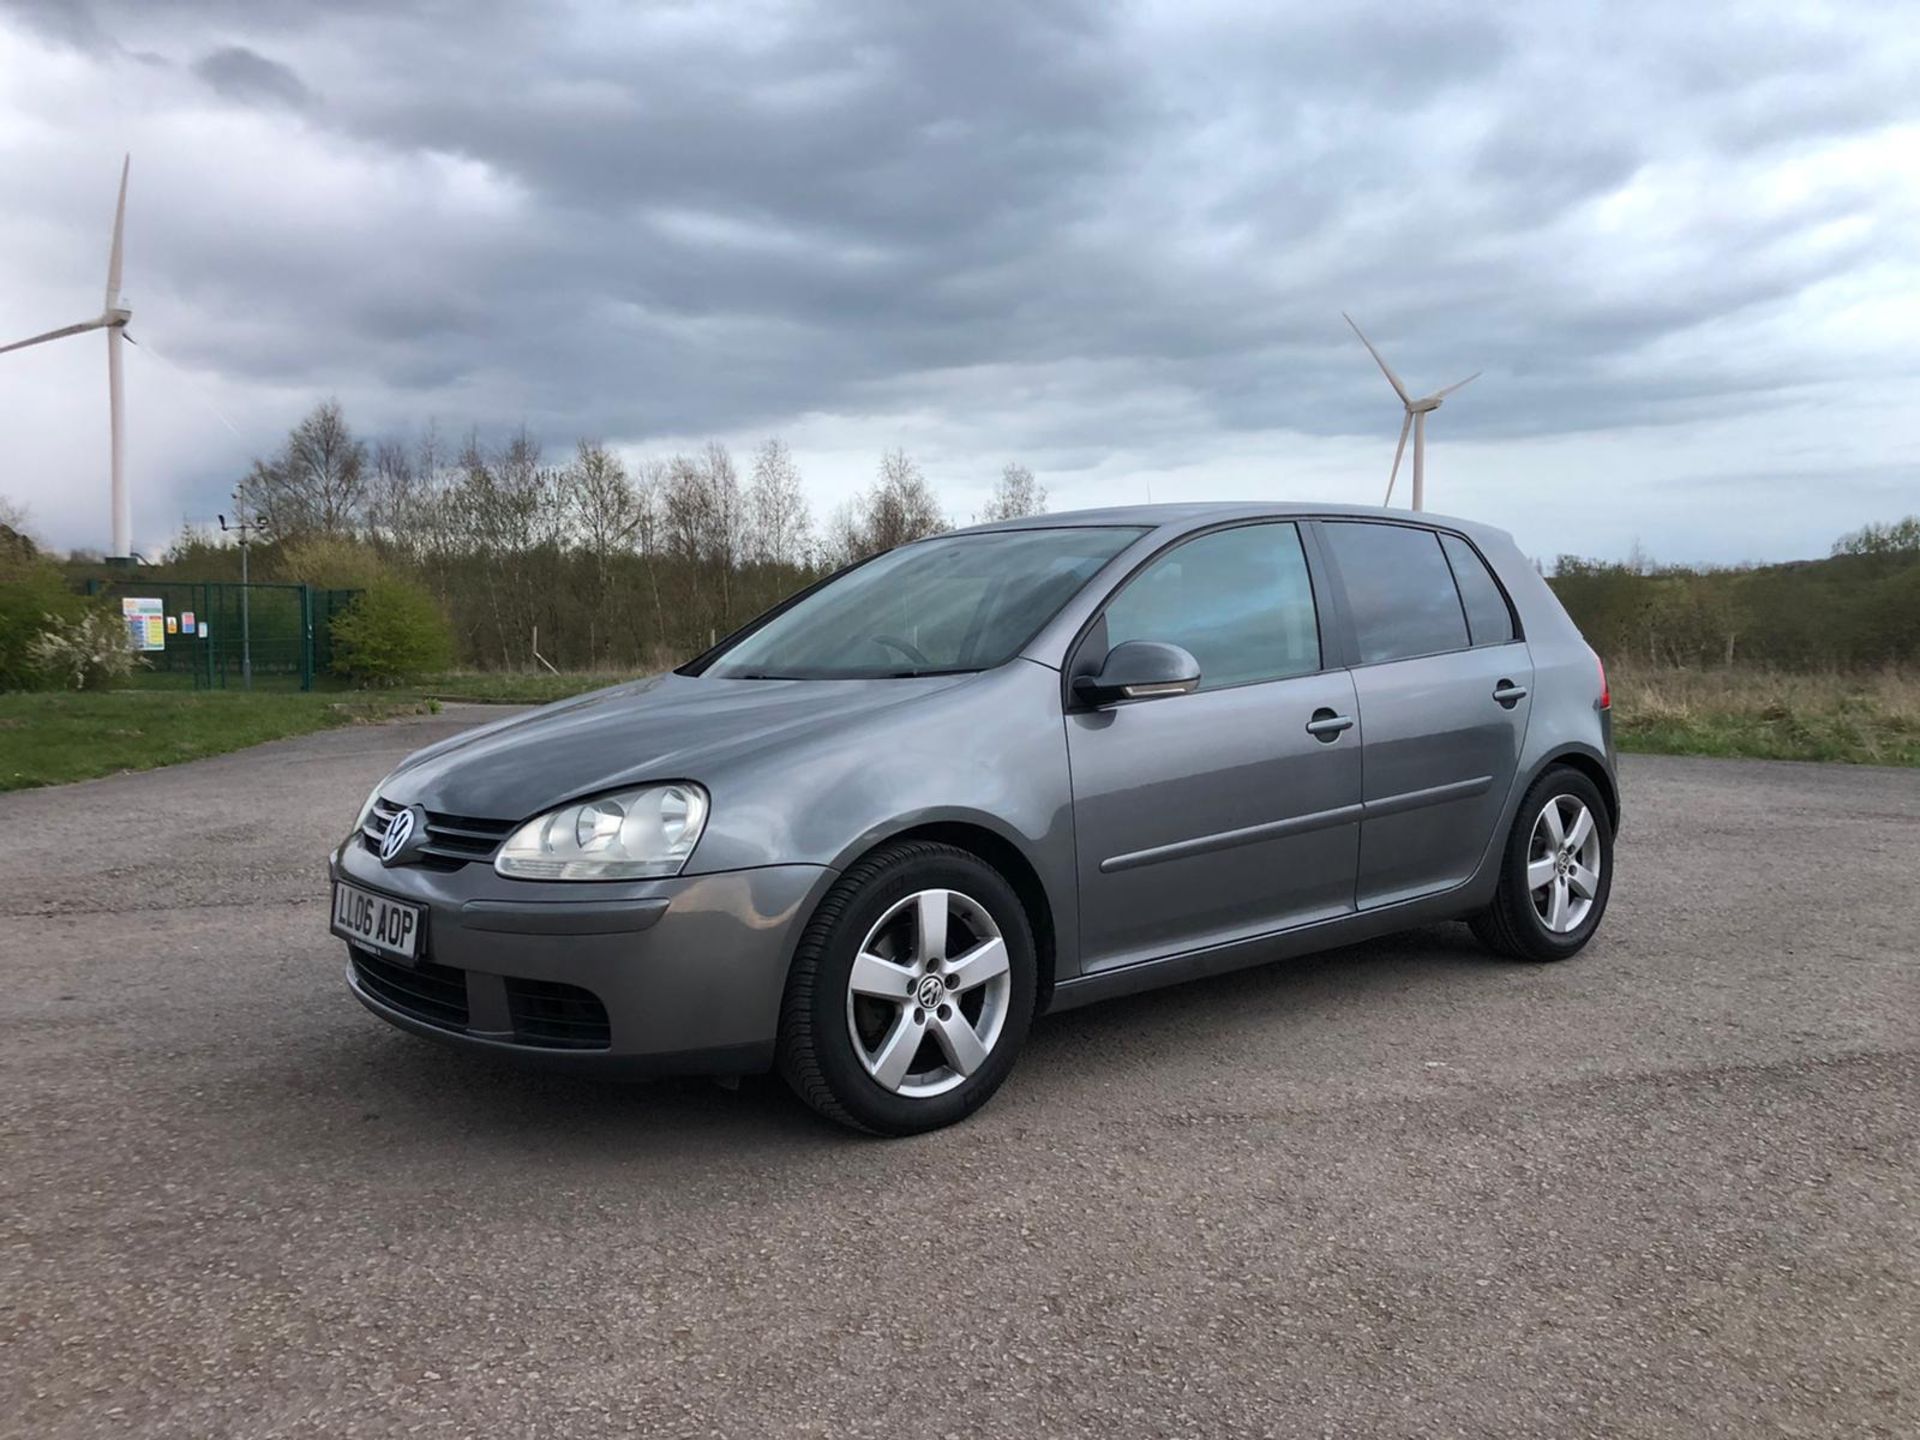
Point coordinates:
[[1195, 513]]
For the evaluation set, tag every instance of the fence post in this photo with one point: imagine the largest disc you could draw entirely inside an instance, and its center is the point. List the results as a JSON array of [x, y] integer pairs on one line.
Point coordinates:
[[206, 617], [306, 633]]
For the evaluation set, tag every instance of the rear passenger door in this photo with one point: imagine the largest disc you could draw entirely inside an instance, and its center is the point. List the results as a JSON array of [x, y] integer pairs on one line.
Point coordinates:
[[1442, 680]]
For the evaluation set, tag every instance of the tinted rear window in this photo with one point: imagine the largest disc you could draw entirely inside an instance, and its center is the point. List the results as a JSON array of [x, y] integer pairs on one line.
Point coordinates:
[[1489, 622], [1399, 590]]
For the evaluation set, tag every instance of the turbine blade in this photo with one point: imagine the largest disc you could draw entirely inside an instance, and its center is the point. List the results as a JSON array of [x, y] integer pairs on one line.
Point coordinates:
[[61, 333], [1385, 369], [119, 232], [1398, 450], [1442, 394]]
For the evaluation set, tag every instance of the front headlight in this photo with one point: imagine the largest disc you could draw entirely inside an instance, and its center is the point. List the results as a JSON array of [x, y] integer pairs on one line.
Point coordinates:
[[629, 835], [366, 810]]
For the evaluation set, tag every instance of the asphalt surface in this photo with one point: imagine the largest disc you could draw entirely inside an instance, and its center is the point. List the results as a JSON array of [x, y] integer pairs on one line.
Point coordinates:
[[1668, 1188]]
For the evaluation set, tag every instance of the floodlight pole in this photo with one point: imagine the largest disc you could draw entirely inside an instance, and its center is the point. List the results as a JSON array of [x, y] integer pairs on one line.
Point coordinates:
[[246, 529]]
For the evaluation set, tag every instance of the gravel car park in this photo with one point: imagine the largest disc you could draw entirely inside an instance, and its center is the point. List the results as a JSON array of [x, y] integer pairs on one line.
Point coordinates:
[[1403, 1188]]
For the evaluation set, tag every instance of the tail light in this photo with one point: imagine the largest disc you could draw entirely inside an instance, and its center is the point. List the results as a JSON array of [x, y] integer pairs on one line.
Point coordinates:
[[1606, 695]]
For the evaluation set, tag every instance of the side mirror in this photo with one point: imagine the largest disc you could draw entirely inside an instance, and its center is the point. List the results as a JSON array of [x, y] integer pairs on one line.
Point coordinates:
[[1139, 670]]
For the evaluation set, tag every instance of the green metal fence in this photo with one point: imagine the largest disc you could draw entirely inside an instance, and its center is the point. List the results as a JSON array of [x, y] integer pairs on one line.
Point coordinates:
[[218, 631]]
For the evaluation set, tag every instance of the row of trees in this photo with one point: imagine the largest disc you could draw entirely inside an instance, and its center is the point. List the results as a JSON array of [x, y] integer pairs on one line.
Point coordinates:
[[607, 564], [1859, 608], [619, 565]]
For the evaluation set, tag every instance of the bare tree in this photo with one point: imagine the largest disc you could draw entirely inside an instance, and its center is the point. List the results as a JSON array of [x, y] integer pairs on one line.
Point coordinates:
[[779, 526], [1017, 494], [728, 524], [901, 507], [600, 505], [845, 540], [317, 484]]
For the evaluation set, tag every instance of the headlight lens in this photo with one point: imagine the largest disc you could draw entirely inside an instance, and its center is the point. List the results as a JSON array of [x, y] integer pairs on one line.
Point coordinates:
[[632, 835], [360, 823]]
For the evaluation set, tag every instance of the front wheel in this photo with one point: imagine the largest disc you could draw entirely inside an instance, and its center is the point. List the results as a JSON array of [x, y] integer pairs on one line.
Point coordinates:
[[911, 991], [1555, 874]]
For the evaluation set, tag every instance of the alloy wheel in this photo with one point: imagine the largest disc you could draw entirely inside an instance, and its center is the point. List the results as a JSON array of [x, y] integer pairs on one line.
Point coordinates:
[[1563, 864], [929, 993]]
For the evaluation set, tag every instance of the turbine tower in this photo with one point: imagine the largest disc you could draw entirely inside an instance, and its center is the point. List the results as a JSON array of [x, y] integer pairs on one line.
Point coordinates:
[[113, 319], [1416, 419]]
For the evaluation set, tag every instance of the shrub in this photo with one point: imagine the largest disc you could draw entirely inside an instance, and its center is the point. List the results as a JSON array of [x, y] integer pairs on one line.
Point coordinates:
[[88, 651], [330, 562], [392, 632], [31, 591]]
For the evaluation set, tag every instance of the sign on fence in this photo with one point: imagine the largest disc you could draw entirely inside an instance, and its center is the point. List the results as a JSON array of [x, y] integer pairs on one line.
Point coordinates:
[[146, 622]]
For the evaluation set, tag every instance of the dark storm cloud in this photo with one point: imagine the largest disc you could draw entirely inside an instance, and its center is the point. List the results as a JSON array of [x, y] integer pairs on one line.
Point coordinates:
[[708, 218], [242, 74]]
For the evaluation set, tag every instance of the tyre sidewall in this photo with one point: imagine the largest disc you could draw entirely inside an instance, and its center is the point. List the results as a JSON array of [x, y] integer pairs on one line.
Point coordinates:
[[1539, 940], [869, 1104]]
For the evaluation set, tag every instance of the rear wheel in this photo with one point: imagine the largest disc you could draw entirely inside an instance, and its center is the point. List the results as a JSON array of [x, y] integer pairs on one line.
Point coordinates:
[[1555, 874], [911, 992]]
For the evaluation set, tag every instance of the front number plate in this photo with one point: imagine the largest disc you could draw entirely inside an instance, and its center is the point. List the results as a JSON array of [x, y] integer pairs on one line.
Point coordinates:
[[377, 923]]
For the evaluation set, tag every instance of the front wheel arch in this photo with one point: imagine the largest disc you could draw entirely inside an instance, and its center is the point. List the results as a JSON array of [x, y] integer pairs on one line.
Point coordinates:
[[994, 849]]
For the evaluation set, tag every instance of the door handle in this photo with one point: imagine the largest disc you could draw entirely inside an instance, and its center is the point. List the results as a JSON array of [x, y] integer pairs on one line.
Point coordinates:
[[1509, 694], [1325, 726]]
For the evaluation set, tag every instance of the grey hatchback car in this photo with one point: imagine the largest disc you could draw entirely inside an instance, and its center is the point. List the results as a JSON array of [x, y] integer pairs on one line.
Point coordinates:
[[991, 774]]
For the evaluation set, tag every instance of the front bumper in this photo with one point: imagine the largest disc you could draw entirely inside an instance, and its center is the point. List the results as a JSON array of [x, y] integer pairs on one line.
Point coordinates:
[[690, 971]]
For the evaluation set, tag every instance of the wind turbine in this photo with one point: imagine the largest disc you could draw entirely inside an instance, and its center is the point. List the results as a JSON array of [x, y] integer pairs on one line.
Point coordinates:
[[113, 319], [1417, 412]]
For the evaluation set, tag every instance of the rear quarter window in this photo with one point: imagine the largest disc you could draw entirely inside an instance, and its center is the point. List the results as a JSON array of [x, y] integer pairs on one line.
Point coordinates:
[[1489, 621], [1400, 590]]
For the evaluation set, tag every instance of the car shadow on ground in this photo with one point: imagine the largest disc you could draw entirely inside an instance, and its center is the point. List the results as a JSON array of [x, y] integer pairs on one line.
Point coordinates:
[[468, 1099]]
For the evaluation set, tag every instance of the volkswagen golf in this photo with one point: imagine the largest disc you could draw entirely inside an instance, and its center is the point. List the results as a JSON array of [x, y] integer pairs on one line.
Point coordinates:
[[993, 774]]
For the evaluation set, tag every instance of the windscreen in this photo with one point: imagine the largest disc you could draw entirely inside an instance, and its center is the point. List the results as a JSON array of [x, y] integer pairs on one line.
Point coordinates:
[[958, 602]]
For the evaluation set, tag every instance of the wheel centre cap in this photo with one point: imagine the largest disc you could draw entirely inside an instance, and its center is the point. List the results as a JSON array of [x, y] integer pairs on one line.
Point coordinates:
[[930, 993]]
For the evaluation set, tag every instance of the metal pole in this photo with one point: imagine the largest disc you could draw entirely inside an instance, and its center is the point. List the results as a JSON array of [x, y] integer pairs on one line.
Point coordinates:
[[246, 620], [306, 642]]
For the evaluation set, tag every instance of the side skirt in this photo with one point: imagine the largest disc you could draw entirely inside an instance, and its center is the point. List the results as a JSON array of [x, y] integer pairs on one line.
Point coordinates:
[[1307, 939]]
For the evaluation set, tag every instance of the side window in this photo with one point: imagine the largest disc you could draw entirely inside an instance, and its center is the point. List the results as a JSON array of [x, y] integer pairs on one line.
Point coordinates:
[[1399, 590], [1238, 599], [1489, 622]]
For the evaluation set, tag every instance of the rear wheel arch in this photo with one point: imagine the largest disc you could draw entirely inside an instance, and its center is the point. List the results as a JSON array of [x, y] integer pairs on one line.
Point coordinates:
[[1591, 766]]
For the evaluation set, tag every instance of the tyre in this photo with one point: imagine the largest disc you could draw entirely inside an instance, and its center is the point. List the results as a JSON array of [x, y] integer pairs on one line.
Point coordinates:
[[1555, 873], [911, 991]]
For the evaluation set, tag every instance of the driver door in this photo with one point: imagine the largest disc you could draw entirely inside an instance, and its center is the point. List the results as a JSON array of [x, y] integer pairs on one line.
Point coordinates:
[[1214, 816]]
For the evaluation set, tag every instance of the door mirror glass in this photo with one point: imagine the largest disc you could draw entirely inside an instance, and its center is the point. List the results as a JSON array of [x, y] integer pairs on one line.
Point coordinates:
[[1140, 670]]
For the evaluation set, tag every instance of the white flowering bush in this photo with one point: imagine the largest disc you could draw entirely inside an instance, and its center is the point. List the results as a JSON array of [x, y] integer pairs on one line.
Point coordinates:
[[88, 651]]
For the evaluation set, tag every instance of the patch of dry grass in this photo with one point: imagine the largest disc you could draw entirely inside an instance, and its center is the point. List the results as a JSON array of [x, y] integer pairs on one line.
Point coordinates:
[[1868, 717]]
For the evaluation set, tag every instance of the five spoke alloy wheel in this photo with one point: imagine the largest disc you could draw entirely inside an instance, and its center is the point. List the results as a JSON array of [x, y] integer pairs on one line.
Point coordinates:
[[928, 994], [1555, 872], [1564, 863], [911, 990]]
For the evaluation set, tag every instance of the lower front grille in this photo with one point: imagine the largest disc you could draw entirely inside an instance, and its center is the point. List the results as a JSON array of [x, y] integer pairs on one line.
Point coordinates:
[[434, 994], [558, 1017]]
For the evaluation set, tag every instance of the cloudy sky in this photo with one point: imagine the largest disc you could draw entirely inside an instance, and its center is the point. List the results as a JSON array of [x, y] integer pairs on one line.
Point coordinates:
[[1111, 240]]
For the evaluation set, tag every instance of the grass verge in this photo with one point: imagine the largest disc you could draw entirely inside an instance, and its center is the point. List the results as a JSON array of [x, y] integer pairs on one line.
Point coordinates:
[[49, 739], [1863, 719], [52, 738]]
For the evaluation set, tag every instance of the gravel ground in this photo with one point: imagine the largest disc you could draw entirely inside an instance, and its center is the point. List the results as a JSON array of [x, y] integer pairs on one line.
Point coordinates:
[[1667, 1188]]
